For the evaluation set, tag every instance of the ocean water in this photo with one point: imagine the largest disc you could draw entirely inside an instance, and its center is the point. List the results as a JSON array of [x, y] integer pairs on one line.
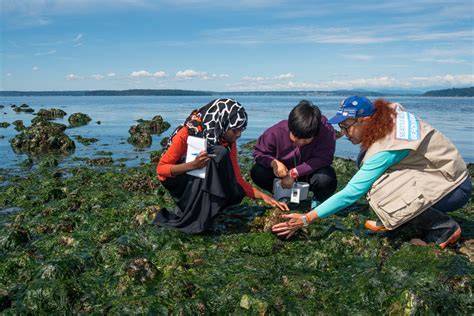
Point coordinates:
[[452, 116]]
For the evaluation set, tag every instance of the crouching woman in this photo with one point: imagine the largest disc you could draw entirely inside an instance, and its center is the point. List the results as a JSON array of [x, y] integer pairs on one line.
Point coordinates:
[[410, 171], [199, 200]]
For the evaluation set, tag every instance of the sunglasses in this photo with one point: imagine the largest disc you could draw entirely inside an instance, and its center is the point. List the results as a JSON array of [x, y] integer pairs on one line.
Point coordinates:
[[345, 128]]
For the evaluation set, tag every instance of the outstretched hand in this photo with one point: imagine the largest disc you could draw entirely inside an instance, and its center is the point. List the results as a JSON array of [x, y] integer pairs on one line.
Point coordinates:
[[288, 228], [274, 203]]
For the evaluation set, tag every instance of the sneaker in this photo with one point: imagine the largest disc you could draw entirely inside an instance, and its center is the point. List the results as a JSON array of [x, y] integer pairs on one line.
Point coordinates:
[[375, 226], [452, 239]]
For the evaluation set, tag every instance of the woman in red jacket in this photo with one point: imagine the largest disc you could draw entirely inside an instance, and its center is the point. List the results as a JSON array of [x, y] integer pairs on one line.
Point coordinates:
[[198, 200]]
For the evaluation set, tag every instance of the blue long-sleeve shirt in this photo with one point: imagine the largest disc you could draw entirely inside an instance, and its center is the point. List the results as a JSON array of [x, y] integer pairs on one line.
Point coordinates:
[[361, 182]]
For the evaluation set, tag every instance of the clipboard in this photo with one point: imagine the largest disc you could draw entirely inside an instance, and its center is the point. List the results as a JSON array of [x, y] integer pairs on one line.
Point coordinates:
[[195, 146]]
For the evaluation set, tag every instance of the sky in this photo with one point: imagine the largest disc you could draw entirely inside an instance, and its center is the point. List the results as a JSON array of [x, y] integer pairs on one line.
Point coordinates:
[[236, 45]]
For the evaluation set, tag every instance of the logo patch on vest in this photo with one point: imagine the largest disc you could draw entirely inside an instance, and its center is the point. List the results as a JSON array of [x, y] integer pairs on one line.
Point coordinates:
[[407, 126]]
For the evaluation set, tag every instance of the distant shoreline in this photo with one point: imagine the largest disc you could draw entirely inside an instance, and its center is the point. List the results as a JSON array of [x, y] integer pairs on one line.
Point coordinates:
[[453, 92]]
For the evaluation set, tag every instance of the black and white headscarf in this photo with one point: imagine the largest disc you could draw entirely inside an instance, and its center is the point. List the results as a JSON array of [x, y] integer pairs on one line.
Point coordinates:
[[213, 120]]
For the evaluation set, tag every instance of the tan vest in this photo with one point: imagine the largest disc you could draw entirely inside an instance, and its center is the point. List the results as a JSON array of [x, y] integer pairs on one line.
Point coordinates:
[[433, 168]]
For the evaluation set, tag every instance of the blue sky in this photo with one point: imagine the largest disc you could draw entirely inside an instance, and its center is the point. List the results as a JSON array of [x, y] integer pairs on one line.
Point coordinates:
[[236, 45]]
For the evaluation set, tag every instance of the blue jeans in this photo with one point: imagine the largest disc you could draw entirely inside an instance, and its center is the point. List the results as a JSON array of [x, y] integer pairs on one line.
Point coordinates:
[[438, 225]]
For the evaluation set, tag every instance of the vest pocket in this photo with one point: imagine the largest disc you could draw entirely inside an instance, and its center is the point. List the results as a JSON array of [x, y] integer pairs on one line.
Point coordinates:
[[403, 203]]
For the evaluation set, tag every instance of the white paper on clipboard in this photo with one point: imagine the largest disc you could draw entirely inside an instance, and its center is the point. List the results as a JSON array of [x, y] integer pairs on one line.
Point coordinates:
[[195, 146]]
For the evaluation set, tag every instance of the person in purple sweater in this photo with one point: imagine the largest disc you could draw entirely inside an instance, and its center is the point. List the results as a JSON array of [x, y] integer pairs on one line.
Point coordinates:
[[298, 149]]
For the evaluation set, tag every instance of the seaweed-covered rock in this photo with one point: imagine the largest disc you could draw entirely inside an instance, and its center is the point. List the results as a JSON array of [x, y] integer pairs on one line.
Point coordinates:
[[51, 114], [24, 109], [4, 124], [141, 270], [84, 140], [139, 138], [43, 137], [79, 119], [164, 141], [155, 155], [140, 183], [19, 126], [140, 135], [104, 161], [264, 223]]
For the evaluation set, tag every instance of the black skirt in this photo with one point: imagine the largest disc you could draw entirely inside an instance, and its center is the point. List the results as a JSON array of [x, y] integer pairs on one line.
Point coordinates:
[[199, 200]]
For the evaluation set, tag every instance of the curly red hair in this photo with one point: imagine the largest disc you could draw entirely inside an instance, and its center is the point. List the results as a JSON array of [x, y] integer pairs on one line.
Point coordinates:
[[379, 125]]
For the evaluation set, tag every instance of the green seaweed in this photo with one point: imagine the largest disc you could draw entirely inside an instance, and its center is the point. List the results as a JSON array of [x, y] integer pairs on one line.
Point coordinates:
[[84, 243]]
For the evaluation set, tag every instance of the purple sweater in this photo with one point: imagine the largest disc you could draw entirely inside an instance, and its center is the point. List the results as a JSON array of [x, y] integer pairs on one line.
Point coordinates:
[[275, 144]]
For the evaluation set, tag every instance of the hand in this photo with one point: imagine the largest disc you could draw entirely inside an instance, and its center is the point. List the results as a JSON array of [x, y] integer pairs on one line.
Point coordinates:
[[279, 169], [201, 160], [272, 202], [288, 228], [287, 182]]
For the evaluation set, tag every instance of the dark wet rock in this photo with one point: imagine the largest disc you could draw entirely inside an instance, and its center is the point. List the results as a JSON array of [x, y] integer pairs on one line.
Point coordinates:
[[79, 119], [2, 106], [104, 161], [4, 124], [2, 137], [43, 137], [39, 119], [23, 108], [84, 140], [99, 122], [103, 153], [51, 114], [19, 126]]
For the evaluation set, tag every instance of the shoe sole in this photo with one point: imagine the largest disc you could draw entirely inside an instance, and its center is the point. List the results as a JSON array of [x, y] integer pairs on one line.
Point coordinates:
[[452, 239], [374, 228]]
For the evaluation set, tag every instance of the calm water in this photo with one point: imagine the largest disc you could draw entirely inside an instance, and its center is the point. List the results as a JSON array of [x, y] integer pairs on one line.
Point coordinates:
[[452, 116]]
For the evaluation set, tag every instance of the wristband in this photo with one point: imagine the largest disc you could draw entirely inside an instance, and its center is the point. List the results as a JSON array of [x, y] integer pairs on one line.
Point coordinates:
[[305, 220]]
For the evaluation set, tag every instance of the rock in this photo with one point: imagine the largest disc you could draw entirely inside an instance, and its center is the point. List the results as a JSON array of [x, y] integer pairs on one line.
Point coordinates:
[[19, 126], [264, 223], [140, 183], [43, 137], [84, 140], [245, 301], [141, 270], [101, 161], [51, 114], [164, 141], [79, 119], [467, 249], [140, 135], [155, 156], [99, 122], [4, 124], [23, 108], [139, 139]]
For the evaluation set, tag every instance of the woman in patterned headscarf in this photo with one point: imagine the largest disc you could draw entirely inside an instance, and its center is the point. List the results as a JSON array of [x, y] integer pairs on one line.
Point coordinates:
[[198, 200]]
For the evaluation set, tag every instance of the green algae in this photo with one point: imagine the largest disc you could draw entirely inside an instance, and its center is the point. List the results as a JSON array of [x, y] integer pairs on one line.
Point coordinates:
[[84, 243]]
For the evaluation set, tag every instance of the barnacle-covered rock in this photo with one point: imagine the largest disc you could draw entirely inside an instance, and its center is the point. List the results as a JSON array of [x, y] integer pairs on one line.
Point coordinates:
[[79, 119], [146, 215], [43, 137], [4, 124], [265, 222], [51, 114]]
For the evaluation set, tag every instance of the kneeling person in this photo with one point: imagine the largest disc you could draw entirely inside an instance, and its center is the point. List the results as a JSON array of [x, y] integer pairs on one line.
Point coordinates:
[[300, 148]]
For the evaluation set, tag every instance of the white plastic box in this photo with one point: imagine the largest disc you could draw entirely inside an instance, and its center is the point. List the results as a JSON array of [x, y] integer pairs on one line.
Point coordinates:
[[279, 192]]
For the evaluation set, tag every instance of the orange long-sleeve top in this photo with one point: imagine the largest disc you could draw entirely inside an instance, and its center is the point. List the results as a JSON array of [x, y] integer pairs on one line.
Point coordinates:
[[177, 151]]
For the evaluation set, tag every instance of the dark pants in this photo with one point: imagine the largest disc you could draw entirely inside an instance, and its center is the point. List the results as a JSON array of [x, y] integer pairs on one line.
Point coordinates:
[[435, 222], [199, 200], [322, 182]]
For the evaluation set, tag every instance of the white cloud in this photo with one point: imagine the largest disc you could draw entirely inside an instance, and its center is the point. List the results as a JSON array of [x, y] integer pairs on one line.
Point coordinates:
[[147, 74], [97, 77], [443, 61], [35, 68], [73, 77], [193, 74], [111, 74], [9, 74], [78, 38], [358, 57], [260, 78], [46, 53], [364, 83]]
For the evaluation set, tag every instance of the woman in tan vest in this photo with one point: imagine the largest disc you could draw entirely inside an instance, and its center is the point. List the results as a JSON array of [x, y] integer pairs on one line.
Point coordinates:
[[410, 171]]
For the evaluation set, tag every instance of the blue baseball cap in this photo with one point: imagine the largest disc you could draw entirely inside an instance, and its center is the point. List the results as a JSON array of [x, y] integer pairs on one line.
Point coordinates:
[[353, 107]]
